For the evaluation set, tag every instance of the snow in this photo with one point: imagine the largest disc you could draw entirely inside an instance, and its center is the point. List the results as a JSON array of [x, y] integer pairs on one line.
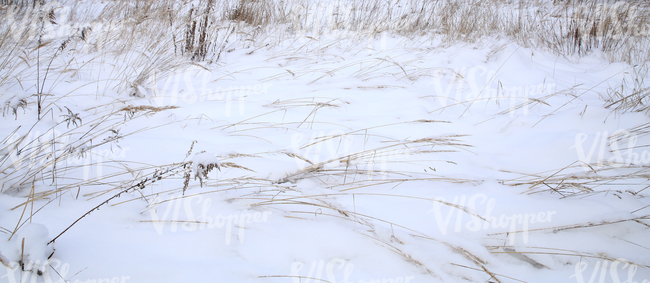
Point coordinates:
[[29, 247], [335, 162], [201, 161]]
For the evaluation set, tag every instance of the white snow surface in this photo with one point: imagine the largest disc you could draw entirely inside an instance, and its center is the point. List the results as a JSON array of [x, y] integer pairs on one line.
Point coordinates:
[[396, 145], [29, 246]]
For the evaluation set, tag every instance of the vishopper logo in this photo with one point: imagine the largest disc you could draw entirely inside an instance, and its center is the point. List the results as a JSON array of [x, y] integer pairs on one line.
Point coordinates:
[[17, 272], [335, 268], [618, 265], [469, 85], [45, 150], [192, 223], [182, 86], [480, 202], [322, 147], [619, 156]]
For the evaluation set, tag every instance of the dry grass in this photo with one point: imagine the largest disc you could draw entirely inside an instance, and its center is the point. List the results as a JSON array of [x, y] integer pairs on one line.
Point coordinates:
[[131, 111], [632, 94], [572, 181], [149, 39]]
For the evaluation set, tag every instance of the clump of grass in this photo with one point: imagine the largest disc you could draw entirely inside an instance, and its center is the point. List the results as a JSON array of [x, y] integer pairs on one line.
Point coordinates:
[[23, 3], [631, 95], [584, 26], [573, 181], [368, 158], [130, 111], [253, 12], [197, 37]]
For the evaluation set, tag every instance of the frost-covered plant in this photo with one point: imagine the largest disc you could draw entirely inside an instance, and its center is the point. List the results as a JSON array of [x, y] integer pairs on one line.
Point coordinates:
[[13, 104], [71, 118], [202, 164]]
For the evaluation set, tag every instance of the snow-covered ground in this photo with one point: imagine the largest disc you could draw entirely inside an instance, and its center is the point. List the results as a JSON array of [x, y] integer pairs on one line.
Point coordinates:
[[330, 160]]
